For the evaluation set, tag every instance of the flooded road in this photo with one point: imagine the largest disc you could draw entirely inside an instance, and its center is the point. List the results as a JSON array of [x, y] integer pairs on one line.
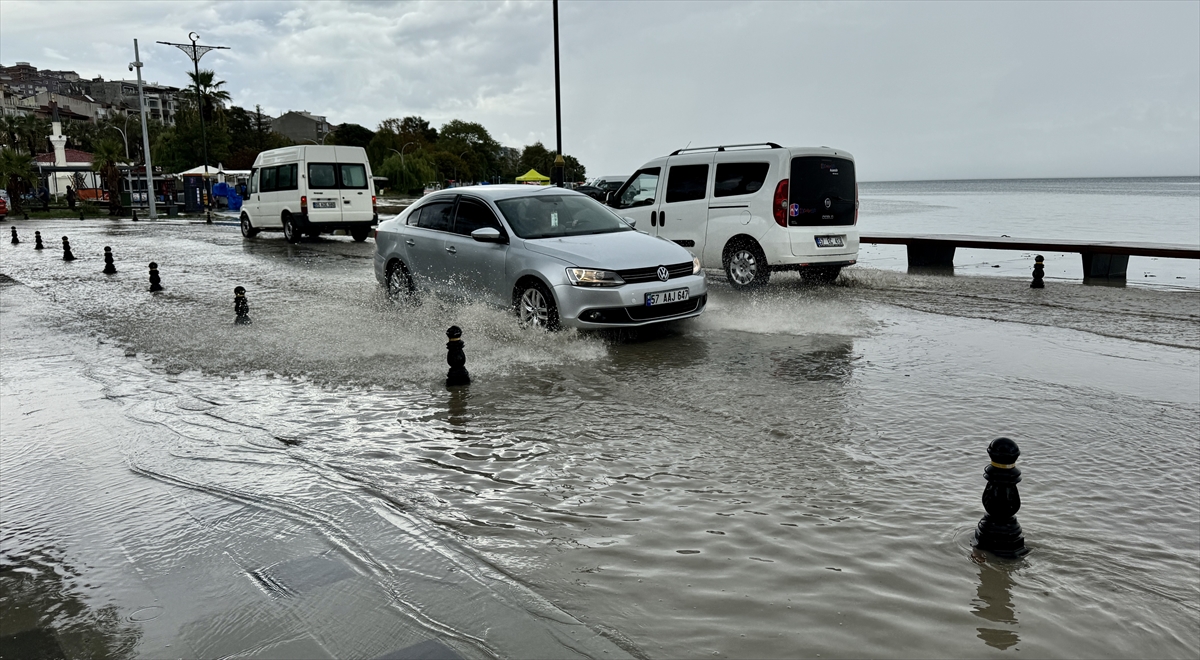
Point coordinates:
[[795, 473]]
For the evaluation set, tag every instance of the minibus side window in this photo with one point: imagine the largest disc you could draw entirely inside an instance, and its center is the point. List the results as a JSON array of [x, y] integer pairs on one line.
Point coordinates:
[[268, 179]]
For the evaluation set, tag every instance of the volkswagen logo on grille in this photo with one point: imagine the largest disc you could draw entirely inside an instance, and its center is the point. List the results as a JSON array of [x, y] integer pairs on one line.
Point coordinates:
[[828, 202], [663, 274]]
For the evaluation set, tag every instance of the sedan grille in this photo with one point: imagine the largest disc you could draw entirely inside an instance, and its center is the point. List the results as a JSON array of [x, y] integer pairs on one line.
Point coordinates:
[[635, 275]]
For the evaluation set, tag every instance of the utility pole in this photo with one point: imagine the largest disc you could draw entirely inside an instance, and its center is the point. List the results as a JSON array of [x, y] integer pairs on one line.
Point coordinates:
[[137, 64], [556, 173], [195, 52]]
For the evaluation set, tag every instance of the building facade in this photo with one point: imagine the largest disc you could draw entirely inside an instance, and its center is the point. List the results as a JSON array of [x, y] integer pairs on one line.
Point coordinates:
[[301, 127]]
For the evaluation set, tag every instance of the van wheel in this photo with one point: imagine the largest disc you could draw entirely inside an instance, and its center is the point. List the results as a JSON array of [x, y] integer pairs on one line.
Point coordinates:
[[399, 282], [745, 264], [290, 231], [248, 229], [360, 235], [535, 307]]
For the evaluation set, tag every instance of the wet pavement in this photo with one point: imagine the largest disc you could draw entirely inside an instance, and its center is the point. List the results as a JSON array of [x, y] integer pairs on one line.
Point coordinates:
[[795, 473]]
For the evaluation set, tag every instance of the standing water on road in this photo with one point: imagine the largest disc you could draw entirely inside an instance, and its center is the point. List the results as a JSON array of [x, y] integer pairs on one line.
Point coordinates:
[[795, 473]]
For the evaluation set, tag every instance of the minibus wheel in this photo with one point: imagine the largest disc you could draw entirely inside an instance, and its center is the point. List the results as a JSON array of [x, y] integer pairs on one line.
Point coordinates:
[[290, 231]]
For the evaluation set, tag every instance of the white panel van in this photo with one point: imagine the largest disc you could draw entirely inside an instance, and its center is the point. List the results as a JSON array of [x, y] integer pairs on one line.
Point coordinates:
[[751, 209], [308, 190]]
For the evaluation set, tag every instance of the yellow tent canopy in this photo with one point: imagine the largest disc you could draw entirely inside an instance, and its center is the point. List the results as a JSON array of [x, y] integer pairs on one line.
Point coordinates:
[[532, 176]]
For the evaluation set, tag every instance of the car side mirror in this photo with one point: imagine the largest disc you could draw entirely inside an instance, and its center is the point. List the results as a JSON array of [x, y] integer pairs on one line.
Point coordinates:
[[488, 235], [630, 221]]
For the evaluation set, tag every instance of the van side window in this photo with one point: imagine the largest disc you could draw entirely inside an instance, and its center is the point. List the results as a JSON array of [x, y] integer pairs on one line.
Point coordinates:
[[640, 190], [268, 179], [739, 178], [354, 176], [686, 183], [286, 178], [474, 215], [321, 175], [253, 181], [437, 215]]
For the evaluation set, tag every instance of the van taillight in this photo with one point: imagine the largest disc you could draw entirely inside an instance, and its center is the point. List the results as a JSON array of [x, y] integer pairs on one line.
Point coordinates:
[[374, 210], [304, 203], [780, 206]]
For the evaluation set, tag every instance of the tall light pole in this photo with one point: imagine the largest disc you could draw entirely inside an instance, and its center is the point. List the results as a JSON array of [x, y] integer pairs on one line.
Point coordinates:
[[195, 52], [137, 63], [556, 173], [123, 138]]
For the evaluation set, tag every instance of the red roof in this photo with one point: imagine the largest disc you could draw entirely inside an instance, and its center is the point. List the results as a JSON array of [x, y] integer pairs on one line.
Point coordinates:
[[73, 156]]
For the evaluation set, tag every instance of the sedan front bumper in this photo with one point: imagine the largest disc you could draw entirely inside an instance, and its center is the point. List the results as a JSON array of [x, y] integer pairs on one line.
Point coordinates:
[[625, 306]]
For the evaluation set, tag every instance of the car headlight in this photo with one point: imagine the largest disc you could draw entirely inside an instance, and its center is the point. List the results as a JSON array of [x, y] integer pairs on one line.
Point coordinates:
[[695, 265], [593, 277]]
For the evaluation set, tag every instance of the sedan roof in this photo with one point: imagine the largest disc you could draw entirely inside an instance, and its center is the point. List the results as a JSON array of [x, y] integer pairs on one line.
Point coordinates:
[[504, 191]]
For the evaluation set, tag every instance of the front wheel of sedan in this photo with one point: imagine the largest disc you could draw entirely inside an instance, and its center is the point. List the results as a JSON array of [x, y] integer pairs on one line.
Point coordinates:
[[400, 283], [536, 307]]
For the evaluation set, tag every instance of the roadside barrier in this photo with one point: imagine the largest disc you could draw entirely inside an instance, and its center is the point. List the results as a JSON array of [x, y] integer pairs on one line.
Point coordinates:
[[15, 240], [109, 267], [241, 306], [1039, 271], [456, 358], [155, 282], [67, 256], [998, 531], [37, 241]]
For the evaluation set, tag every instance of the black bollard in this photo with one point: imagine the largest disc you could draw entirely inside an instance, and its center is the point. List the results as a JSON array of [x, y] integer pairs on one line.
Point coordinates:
[[241, 306], [456, 359], [81, 212], [1039, 271], [109, 267], [67, 256], [154, 281], [15, 240], [37, 241], [134, 215], [999, 532]]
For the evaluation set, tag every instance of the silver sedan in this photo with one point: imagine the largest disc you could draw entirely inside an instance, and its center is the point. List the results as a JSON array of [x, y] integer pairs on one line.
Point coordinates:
[[556, 256]]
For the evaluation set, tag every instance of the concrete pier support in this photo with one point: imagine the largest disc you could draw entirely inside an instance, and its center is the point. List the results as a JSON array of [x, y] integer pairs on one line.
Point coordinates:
[[931, 254], [1097, 265]]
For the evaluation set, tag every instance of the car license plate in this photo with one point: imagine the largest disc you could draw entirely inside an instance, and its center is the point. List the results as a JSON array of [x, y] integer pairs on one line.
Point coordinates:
[[830, 241], [320, 204], [664, 297]]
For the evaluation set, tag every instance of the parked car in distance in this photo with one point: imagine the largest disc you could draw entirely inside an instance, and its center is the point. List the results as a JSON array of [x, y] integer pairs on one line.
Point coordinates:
[[600, 187], [3, 204], [558, 257], [309, 190], [751, 209]]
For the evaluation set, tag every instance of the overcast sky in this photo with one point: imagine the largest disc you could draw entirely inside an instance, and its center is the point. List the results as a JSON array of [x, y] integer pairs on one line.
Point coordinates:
[[935, 90]]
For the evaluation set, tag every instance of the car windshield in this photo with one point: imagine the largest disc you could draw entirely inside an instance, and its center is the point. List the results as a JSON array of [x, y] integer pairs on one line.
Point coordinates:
[[549, 216]]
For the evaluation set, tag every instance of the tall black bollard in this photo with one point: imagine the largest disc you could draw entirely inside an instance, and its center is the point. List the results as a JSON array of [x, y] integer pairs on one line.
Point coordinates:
[[109, 267], [241, 306], [998, 531], [37, 241], [135, 215], [81, 212], [1039, 271], [456, 359], [15, 240], [67, 256], [155, 284]]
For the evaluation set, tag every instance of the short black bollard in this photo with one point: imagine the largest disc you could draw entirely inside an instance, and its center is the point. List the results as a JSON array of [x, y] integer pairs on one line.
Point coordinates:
[[67, 256], [15, 240], [241, 306], [1039, 271], [109, 267], [456, 359], [134, 211], [37, 241], [155, 284], [999, 532], [81, 212]]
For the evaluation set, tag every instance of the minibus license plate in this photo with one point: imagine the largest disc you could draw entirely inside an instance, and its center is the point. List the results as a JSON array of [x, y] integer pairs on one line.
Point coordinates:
[[664, 297], [319, 204], [830, 241]]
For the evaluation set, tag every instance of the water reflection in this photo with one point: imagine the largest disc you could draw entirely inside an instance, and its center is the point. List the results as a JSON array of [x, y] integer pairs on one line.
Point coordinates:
[[826, 359], [41, 616], [994, 603]]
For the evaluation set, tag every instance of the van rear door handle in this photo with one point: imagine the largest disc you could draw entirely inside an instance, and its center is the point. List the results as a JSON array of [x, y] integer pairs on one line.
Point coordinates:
[[410, 241], [654, 218], [451, 250]]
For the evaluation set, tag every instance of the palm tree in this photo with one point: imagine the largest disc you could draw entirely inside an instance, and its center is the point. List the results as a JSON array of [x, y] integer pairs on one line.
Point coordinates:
[[15, 167], [210, 91], [105, 158]]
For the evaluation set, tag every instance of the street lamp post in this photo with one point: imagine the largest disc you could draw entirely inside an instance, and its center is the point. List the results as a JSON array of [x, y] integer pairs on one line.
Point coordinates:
[[123, 139], [195, 52], [557, 171], [137, 63]]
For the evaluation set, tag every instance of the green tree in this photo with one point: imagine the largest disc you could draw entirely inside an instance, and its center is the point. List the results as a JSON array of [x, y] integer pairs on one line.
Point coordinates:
[[471, 143], [408, 135], [351, 135], [409, 174], [15, 168], [536, 156], [214, 98], [105, 160]]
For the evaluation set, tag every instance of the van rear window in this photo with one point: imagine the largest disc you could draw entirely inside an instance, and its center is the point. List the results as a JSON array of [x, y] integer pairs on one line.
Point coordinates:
[[821, 191], [322, 175], [739, 178], [353, 176]]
